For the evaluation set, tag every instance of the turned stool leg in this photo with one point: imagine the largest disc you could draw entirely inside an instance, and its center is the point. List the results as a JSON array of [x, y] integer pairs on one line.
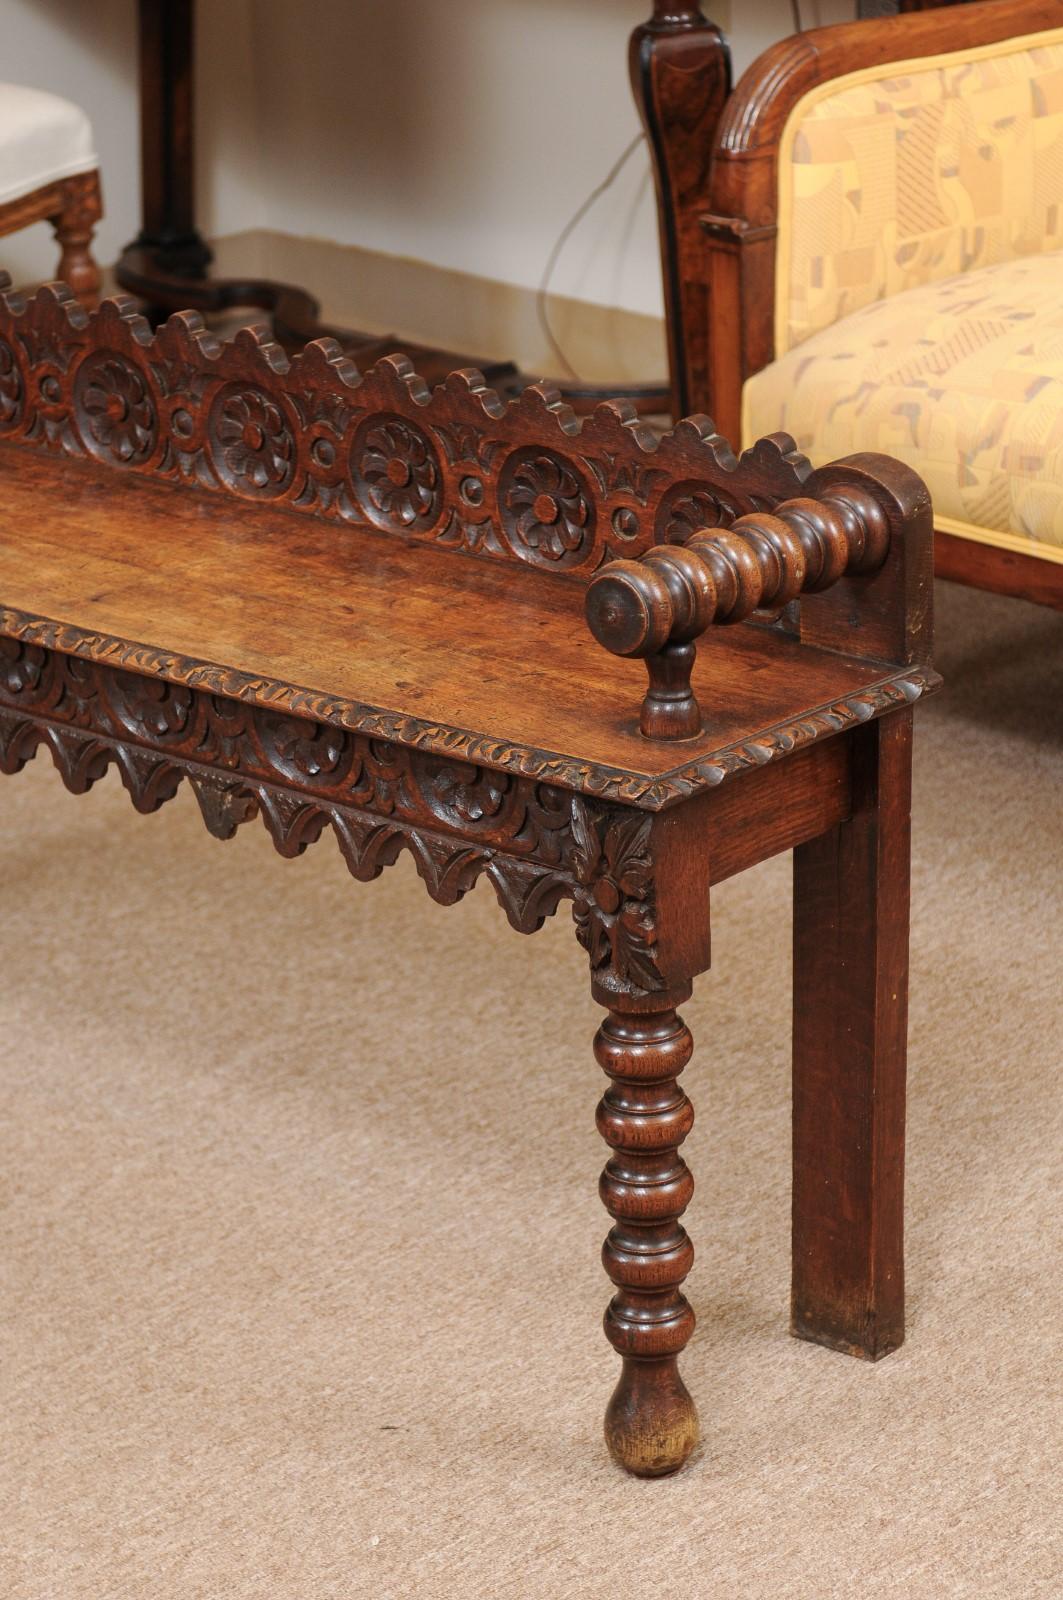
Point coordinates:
[[651, 1425], [850, 1045], [74, 227]]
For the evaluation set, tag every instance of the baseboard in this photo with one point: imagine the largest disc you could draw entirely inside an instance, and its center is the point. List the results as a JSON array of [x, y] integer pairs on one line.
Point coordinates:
[[415, 300]]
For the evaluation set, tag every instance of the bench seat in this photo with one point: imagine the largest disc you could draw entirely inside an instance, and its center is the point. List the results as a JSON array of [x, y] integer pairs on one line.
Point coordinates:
[[961, 378], [97, 552]]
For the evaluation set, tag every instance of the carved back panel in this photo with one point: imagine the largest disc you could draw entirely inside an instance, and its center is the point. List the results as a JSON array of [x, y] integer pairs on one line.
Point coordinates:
[[458, 467]]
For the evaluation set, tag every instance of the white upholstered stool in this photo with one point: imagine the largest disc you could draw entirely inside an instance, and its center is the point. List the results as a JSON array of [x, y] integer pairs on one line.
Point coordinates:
[[49, 172]]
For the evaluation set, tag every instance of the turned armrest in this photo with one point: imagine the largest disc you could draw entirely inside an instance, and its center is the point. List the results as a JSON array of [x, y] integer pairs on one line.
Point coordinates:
[[407, 496], [656, 607]]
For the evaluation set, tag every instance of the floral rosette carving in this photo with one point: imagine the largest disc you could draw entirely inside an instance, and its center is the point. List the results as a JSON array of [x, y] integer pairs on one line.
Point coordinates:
[[614, 908], [396, 475], [12, 390], [251, 445], [300, 751], [547, 822], [547, 511], [461, 794], [21, 666], [75, 696], [151, 708], [114, 409], [688, 507]]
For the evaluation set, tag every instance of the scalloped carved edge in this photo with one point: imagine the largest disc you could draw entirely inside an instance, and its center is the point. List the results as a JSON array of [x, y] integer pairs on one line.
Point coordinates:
[[448, 864], [620, 945], [645, 792], [537, 845], [456, 466]]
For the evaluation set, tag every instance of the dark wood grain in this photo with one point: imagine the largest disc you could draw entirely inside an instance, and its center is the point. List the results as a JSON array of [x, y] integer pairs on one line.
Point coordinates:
[[850, 1038], [526, 688], [989, 566], [166, 46], [651, 1424], [523, 481], [365, 492], [680, 69], [348, 606], [658, 607], [777, 807]]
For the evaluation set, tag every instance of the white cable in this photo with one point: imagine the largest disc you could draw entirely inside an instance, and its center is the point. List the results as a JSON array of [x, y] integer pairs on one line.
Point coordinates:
[[541, 306]]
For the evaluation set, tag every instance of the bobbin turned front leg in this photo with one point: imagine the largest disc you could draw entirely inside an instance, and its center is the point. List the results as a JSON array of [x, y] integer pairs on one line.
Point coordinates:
[[642, 915], [651, 1424]]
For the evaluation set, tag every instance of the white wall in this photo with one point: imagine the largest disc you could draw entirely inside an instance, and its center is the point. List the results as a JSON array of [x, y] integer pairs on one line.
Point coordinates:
[[88, 53], [754, 24], [460, 132], [467, 132]]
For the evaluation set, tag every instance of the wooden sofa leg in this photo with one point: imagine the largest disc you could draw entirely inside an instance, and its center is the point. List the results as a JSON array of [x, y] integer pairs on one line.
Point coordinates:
[[74, 226], [651, 1425], [851, 895]]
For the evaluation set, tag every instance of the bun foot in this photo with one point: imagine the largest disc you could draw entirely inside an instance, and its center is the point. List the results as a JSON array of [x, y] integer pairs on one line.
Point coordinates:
[[651, 1425]]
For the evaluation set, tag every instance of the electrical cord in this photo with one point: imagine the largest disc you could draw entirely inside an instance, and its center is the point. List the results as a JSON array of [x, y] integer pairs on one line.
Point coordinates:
[[542, 293]]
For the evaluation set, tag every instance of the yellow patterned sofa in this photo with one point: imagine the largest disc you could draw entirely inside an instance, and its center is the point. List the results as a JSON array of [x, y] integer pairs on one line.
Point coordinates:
[[885, 267]]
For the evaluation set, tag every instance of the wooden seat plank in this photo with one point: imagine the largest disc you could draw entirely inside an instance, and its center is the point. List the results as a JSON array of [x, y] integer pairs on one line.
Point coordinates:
[[150, 563]]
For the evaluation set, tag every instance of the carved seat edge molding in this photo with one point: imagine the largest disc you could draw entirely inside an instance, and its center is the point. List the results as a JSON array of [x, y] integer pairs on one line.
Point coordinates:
[[644, 791]]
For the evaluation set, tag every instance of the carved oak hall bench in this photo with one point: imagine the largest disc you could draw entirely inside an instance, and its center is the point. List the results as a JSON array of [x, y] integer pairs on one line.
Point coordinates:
[[344, 603]]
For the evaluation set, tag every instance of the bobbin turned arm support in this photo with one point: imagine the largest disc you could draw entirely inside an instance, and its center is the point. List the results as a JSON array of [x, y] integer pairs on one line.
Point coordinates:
[[656, 607]]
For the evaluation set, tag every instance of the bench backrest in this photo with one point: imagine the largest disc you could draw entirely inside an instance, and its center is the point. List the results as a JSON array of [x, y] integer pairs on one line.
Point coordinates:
[[525, 482]]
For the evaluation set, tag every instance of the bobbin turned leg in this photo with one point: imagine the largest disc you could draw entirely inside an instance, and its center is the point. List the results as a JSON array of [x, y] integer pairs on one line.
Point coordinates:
[[850, 1038], [651, 1425], [74, 225]]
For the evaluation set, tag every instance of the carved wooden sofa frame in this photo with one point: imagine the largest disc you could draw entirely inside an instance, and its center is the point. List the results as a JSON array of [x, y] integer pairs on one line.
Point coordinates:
[[360, 520], [716, 162]]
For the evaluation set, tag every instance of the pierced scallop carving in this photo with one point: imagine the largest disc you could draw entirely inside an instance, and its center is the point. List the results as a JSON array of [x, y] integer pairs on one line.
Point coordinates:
[[115, 412], [251, 445], [547, 509], [396, 475]]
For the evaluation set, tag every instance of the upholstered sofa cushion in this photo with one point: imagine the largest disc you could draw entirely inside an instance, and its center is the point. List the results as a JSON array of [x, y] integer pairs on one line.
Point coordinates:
[[902, 175], [42, 138], [963, 379]]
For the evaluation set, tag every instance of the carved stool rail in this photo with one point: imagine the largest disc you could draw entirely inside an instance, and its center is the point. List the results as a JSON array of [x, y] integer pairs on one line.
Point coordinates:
[[344, 603]]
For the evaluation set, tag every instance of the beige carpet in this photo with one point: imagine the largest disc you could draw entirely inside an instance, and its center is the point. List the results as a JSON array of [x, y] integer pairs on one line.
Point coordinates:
[[300, 1291]]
